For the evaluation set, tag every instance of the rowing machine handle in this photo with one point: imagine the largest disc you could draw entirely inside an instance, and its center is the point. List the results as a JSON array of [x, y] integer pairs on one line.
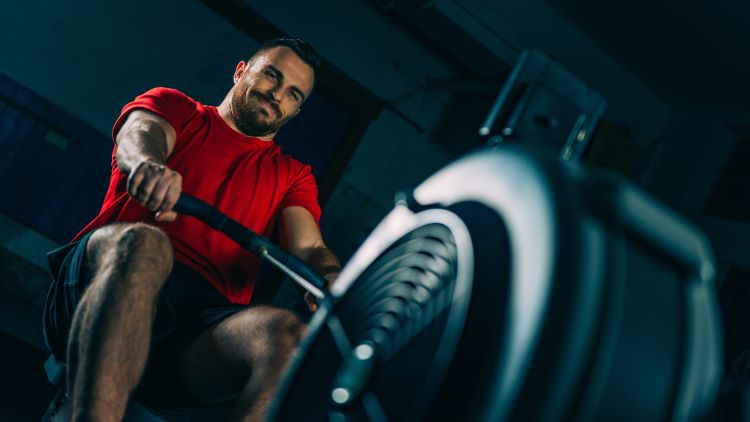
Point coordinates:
[[192, 206]]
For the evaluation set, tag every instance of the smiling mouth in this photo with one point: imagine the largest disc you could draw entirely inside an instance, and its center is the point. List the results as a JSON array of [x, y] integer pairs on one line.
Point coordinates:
[[266, 105], [268, 108]]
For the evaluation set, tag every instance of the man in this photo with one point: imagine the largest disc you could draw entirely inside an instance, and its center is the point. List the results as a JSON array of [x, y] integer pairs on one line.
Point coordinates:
[[138, 258]]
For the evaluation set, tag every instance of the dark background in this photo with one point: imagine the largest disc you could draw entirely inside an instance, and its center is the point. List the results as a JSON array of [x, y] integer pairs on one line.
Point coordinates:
[[403, 89]]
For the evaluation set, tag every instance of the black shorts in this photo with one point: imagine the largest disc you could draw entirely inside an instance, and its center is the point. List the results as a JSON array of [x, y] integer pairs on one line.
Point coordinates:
[[186, 307]]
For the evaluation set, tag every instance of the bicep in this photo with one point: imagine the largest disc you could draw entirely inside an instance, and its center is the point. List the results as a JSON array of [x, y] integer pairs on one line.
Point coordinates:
[[150, 123], [298, 231]]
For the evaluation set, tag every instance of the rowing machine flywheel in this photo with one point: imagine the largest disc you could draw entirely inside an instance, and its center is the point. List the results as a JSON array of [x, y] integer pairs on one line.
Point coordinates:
[[512, 286]]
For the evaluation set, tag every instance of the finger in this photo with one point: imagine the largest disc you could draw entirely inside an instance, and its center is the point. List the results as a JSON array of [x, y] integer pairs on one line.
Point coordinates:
[[159, 194], [167, 190], [165, 216], [312, 304], [146, 188], [137, 175], [134, 182], [173, 193]]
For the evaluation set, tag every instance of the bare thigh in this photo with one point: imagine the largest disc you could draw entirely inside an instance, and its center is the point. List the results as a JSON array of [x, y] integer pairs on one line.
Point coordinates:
[[254, 344], [125, 266]]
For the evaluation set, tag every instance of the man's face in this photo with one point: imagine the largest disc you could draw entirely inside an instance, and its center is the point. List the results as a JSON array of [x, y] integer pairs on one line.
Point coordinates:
[[269, 90]]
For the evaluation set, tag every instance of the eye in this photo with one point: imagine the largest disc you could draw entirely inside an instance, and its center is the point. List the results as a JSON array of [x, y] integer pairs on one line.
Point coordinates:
[[295, 96], [271, 74]]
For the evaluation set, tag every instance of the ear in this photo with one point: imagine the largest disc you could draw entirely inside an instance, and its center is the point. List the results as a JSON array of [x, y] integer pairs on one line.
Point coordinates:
[[239, 70]]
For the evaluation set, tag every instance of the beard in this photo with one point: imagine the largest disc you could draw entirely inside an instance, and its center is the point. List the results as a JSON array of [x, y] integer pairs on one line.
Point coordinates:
[[251, 118]]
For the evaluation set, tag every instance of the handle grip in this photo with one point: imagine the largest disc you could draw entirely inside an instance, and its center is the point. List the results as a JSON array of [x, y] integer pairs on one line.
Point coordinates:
[[249, 240]]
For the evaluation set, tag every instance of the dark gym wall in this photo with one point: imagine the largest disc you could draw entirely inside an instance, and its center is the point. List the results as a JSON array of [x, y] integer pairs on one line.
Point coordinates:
[[422, 64]]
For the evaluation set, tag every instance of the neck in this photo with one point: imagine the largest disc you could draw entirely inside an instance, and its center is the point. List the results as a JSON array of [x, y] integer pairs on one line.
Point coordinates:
[[225, 111]]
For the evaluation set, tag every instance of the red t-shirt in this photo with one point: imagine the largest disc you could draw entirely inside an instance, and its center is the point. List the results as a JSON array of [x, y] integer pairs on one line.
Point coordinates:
[[246, 178]]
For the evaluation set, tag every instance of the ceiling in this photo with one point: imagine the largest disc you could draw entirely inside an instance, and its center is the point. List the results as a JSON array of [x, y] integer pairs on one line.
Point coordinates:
[[687, 55], [692, 54]]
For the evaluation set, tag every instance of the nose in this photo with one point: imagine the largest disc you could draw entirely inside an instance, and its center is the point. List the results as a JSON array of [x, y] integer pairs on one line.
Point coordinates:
[[275, 94]]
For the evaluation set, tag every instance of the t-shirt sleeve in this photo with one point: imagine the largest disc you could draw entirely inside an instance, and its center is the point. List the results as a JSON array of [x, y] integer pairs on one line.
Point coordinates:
[[303, 192], [171, 104]]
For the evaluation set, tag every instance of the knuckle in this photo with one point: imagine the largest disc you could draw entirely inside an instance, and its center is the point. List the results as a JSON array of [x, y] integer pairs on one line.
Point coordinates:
[[142, 168]]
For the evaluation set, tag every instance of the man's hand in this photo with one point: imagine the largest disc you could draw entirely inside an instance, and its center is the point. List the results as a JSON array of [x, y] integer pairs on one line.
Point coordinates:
[[312, 302], [157, 187], [144, 142]]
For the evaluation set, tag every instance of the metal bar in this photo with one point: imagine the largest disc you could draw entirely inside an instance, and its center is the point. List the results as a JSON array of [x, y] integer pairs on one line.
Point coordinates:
[[318, 293]]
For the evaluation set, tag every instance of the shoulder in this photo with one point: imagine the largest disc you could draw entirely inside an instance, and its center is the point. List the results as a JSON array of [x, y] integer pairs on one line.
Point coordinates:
[[172, 105], [170, 95]]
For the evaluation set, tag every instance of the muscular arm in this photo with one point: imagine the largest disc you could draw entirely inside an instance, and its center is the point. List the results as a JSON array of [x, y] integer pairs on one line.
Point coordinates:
[[299, 235], [144, 143], [144, 136]]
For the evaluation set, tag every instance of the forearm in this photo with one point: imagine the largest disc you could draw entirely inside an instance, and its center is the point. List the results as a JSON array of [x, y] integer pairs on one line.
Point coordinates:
[[144, 143], [322, 260], [138, 142], [299, 234]]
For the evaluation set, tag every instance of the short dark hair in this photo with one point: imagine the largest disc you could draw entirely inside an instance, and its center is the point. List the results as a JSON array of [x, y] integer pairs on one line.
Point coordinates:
[[304, 50]]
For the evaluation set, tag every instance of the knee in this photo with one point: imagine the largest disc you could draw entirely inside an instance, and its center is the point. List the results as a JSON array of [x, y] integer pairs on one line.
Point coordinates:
[[281, 330], [146, 247], [281, 325], [274, 333], [138, 247], [143, 237]]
